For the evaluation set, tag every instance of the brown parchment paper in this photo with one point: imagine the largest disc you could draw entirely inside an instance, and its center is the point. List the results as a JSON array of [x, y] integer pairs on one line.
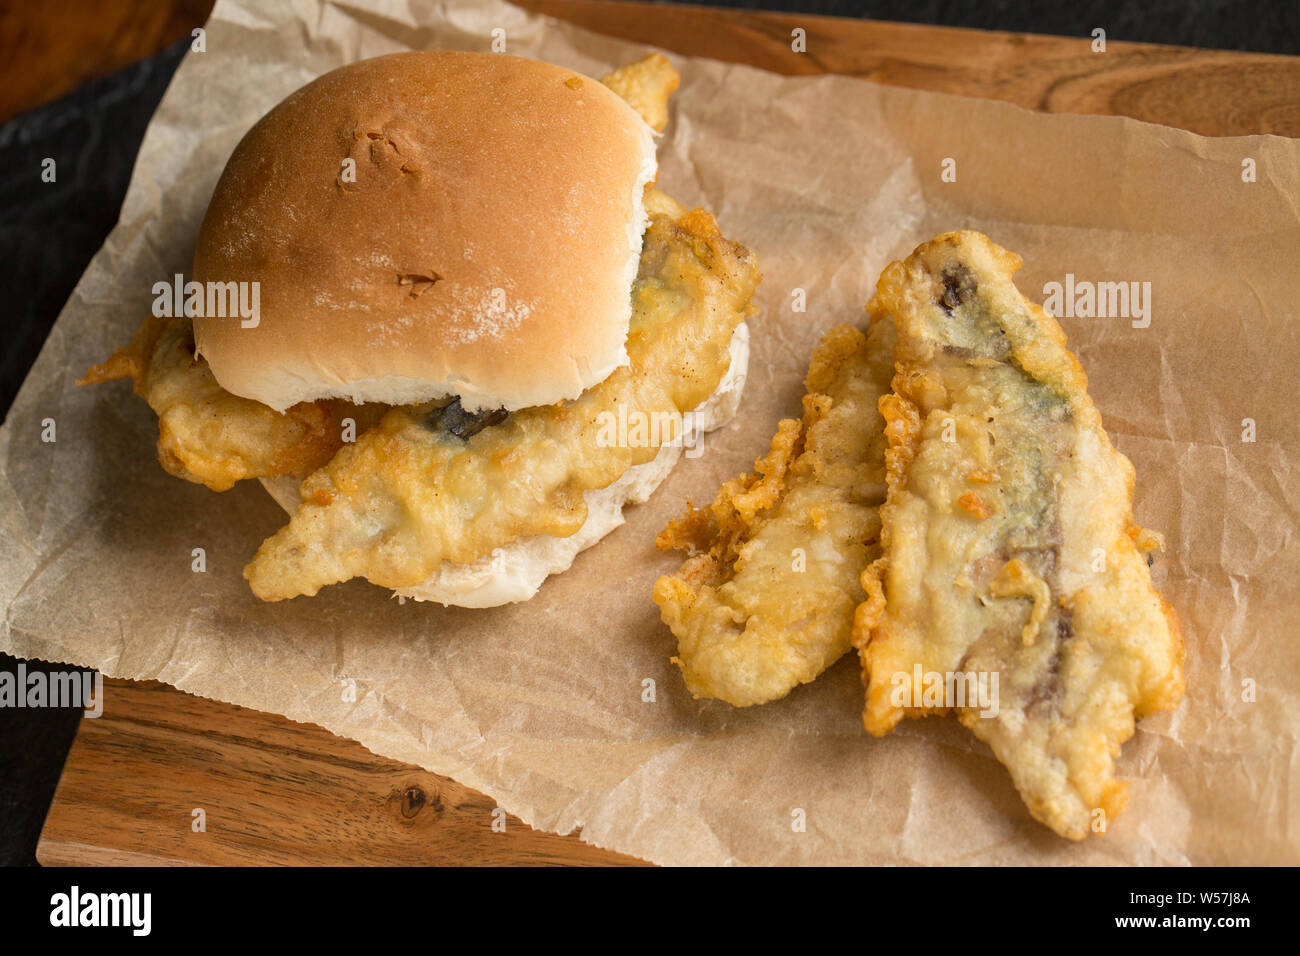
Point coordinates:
[[541, 705]]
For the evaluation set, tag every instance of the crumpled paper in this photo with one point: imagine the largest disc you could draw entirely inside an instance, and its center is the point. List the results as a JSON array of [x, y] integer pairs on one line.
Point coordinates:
[[544, 706]]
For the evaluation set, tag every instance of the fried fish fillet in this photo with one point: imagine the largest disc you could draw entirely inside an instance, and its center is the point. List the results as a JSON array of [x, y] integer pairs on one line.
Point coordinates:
[[410, 493], [1009, 543], [209, 436], [767, 603]]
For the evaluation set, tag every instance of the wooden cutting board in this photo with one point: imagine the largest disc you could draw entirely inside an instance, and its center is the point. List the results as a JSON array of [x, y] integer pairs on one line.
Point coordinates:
[[273, 791], [270, 791]]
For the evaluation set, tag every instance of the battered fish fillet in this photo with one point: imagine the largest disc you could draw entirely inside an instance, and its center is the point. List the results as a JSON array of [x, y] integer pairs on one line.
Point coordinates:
[[768, 603], [209, 436], [1009, 543], [411, 493]]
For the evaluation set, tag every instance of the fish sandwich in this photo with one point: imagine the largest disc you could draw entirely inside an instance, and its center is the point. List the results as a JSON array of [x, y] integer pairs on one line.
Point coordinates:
[[464, 275]]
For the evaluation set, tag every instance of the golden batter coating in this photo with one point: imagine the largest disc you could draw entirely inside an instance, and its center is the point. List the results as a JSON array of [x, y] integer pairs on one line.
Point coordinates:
[[209, 436], [646, 86], [767, 603], [1009, 543], [412, 493]]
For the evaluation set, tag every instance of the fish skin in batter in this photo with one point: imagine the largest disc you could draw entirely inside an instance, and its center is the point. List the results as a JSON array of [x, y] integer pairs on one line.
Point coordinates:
[[1008, 538], [766, 600]]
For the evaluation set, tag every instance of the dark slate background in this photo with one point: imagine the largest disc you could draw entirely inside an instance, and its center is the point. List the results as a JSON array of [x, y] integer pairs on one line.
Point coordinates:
[[48, 234]]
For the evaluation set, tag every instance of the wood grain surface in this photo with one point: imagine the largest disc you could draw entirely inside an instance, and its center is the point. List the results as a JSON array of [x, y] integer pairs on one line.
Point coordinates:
[[50, 47], [272, 792], [1208, 92], [279, 792]]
